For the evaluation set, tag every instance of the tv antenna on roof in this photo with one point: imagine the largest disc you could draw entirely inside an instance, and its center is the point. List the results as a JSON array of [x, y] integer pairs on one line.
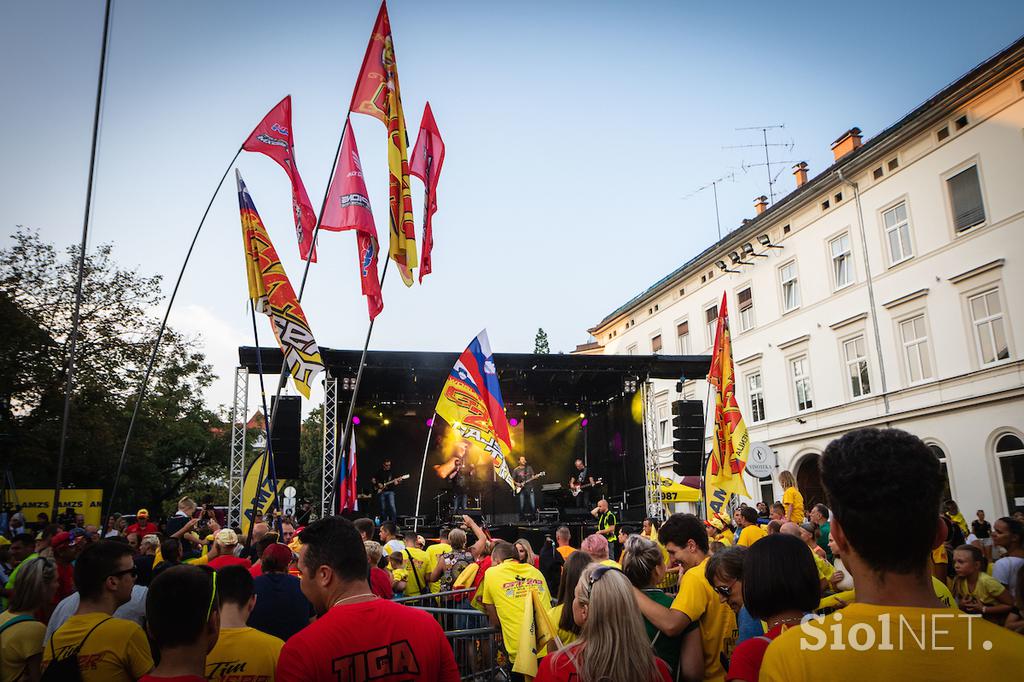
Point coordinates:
[[713, 184], [767, 160]]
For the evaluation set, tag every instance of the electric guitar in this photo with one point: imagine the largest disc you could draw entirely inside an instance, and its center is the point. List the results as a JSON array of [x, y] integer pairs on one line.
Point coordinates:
[[519, 486], [577, 489], [381, 487]]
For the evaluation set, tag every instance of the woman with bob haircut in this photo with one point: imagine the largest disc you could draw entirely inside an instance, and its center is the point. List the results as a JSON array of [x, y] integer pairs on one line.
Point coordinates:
[[780, 585], [613, 644]]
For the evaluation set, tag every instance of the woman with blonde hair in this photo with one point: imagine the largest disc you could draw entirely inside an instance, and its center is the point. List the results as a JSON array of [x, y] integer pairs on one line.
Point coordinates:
[[612, 643], [524, 553], [21, 635], [644, 566], [792, 500]]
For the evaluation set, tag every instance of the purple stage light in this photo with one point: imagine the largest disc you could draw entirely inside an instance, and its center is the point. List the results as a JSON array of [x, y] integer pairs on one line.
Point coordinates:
[[584, 422], [355, 421], [513, 422], [430, 422]]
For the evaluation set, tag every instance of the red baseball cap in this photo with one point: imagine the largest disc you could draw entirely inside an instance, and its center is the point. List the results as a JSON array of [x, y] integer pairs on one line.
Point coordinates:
[[63, 538], [278, 553]]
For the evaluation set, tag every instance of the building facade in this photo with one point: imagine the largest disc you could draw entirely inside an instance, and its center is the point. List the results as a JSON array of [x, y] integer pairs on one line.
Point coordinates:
[[886, 291]]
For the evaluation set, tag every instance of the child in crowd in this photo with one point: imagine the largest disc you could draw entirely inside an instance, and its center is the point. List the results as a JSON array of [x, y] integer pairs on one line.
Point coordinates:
[[399, 574], [975, 590]]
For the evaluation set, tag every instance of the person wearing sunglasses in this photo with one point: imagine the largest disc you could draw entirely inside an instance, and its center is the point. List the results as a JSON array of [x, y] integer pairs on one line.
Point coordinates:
[[114, 650], [612, 644], [183, 618]]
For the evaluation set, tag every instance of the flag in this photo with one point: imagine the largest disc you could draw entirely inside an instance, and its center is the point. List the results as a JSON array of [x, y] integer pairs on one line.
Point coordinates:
[[350, 493], [273, 137], [272, 294], [535, 632], [716, 500], [258, 493], [427, 159], [348, 208], [471, 403], [378, 94], [730, 443]]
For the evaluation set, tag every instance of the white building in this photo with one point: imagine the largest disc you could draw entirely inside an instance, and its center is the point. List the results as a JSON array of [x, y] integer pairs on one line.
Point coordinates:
[[885, 291]]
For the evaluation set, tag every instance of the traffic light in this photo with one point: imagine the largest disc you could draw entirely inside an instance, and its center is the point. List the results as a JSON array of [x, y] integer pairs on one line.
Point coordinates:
[[687, 436]]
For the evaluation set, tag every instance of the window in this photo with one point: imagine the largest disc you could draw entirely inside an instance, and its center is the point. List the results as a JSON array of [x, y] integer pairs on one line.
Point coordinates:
[[802, 383], [857, 366], [683, 334], [915, 349], [1010, 453], [631, 350], [842, 263], [877, 173], [897, 233], [961, 122], [941, 456], [785, 229], [825, 205], [656, 344], [664, 425], [790, 291], [746, 309], [965, 199], [711, 320], [767, 492], [893, 164], [989, 333], [838, 197], [943, 133], [755, 389]]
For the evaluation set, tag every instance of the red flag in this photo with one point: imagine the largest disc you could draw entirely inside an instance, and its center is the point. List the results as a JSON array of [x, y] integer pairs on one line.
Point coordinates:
[[350, 479], [348, 208], [427, 159], [273, 137]]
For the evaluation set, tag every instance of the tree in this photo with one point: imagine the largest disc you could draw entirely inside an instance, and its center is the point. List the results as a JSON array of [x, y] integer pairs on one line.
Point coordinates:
[[178, 445], [540, 344]]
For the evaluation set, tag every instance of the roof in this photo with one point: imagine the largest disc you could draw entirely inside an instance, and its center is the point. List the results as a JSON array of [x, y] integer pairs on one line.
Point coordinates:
[[993, 68]]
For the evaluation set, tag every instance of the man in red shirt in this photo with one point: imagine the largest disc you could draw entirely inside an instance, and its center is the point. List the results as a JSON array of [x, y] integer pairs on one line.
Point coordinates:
[[142, 526], [225, 542], [358, 635]]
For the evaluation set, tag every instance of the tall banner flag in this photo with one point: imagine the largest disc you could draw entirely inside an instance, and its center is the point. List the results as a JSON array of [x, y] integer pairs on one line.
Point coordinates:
[[730, 443], [348, 494], [272, 294], [348, 208], [273, 137], [378, 94], [471, 402], [258, 493], [427, 159]]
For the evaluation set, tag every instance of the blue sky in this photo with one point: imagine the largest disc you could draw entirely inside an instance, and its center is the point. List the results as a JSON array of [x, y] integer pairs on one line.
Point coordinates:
[[576, 134]]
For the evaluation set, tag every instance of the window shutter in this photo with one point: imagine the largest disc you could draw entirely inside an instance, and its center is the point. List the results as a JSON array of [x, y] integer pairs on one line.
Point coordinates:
[[656, 344], [683, 328], [745, 299], [711, 314], [965, 195]]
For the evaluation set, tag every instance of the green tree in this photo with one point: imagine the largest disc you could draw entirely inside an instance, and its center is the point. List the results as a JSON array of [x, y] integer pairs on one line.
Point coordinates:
[[179, 445], [540, 343]]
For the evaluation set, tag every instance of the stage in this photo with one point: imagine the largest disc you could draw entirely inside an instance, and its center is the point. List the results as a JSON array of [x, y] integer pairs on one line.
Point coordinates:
[[559, 407]]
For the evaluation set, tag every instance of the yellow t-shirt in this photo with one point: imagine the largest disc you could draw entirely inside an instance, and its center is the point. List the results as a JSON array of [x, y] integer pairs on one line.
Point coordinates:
[[507, 586], [18, 643], [939, 555], [243, 655], [850, 596], [565, 551], [893, 643], [718, 632], [726, 537], [792, 496], [749, 535], [985, 591], [116, 651], [611, 562], [433, 552], [554, 615], [399, 574], [419, 565]]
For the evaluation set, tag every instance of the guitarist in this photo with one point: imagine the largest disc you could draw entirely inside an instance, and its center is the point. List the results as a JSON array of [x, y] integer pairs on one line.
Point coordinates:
[[526, 499], [385, 495], [579, 478]]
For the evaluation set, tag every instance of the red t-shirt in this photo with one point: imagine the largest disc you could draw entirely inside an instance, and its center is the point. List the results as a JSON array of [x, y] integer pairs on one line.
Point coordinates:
[[565, 669], [380, 583], [256, 570], [65, 582], [148, 529], [377, 640], [745, 663], [228, 560]]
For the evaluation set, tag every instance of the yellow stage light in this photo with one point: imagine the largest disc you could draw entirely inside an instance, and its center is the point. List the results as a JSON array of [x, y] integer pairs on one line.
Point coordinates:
[[387, 422]]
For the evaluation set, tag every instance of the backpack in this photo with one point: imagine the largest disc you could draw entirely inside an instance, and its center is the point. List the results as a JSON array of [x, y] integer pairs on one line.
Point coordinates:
[[66, 669]]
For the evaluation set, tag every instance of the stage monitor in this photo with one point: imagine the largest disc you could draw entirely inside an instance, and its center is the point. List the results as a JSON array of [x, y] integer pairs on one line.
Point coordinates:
[[285, 436]]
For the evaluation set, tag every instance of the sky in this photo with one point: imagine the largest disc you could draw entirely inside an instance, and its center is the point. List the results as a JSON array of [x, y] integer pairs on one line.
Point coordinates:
[[578, 135]]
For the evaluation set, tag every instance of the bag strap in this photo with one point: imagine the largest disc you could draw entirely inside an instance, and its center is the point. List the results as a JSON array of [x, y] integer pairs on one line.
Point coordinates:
[[53, 652], [412, 567], [14, 621]]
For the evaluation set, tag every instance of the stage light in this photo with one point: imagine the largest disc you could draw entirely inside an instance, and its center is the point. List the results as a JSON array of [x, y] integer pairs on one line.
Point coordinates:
[[584, 422], [558, 421], [387, 422], [582, 416], [430, 422], [380, 414], [513, 422], [355, 421]]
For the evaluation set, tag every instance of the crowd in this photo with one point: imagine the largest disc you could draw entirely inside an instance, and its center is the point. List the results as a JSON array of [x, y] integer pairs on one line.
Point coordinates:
[[875, 579]]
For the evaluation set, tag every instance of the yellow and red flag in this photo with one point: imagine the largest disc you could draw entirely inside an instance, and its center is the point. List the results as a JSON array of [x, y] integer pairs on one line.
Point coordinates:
[[378, 94], [730, 443], [272, 294]]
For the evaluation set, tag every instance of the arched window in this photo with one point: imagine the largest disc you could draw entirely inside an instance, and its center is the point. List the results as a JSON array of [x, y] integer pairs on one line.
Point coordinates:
[[1010, 456], [941, 456]]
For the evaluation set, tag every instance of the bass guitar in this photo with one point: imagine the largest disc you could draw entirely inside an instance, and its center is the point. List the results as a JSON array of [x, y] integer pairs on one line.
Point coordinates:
[[381, 487], [519, 486], [577, 489]]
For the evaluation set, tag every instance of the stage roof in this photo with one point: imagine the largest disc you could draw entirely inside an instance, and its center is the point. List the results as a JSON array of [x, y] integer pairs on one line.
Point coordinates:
[[414, 376]]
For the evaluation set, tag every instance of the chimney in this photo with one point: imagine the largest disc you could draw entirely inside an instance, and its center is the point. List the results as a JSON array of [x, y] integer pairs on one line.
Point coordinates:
[[800, 172], [847, 142], [761, 203]]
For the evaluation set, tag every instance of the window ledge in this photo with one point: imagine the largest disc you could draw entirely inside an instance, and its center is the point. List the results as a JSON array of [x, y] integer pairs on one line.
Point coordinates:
[[785, 345], [860, 317], [905, 298], [979, 270], [749, 358]]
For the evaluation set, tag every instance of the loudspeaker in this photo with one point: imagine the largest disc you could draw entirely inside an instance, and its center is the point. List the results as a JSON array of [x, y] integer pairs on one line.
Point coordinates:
[[687, 436], [287, 413]]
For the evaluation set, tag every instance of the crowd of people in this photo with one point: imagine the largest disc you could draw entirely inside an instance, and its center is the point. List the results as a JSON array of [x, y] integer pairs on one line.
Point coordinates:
[[774, 592]]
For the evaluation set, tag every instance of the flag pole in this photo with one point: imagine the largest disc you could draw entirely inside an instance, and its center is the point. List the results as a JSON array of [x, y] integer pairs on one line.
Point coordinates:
[[76, 315], [268, 457], [160, 334], [423, 467]]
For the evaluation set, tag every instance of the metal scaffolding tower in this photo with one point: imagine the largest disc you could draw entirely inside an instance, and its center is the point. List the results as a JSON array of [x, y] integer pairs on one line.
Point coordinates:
[[330, 470], [236, 469], [652, 468]]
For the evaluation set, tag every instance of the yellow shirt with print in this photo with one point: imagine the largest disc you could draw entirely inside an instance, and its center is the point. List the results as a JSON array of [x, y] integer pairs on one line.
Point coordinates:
[[986, 591], [749, 535], [21, 641], [718, 632], [893, 643], [792, 496], [433, 553], [417, 568], [116, 651], [507, 586], [243, 654]]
